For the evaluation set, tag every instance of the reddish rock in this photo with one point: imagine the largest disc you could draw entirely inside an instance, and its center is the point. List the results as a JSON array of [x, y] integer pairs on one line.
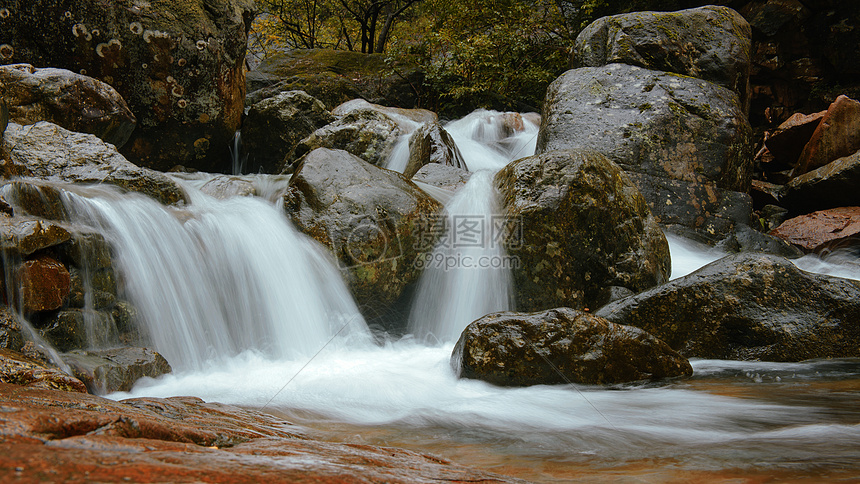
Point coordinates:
[[45, 284], [837, 135], [71, 437], [825, 229], [787, 141]]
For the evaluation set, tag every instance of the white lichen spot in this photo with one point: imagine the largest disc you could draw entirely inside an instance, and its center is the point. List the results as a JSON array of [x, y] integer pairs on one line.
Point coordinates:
[[96, 32], [182, 103], [170, 79], [135, 28], [68, 14], [113, 43], [83, 72], [177, 91], [148, 35], [201, 44], [4, 13], [79, 30], [181, 62], [6, 51], [144, 65]]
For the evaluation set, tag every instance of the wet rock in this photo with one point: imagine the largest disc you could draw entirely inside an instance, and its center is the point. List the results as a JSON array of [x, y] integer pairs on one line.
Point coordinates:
[[442, 176], [99, 286], [685, 141], [49, 152], [11, 337], [4, 117], [17, 369], [831, 186], [749, 307], [115, 370], [274, 126], [430, 143], [66, 330], [178, 65], [75, 102], [366, 133], [711, 43], [584, 227], [837, 135], [76, 437], [825, 229], [25, 236], [44, 284], [223, 187], [337, 76], [561, 346], [407, 119], [786, 143], [369, 217], [38, 198]]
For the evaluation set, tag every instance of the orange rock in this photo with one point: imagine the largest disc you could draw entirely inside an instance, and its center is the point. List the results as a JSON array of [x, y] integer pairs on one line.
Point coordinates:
[[825, 229], [787, 141], [837, 135], [45, 284]]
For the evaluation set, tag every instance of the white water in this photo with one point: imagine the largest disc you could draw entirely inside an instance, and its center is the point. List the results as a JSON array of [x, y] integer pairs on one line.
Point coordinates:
[[221, 277]]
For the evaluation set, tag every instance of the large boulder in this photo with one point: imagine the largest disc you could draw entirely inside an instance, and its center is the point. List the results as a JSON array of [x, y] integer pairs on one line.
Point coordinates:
[[115, 370], [685, 142], [366, 133], [407, 119], [337, 76], [75, 102], [178, 65], [711, 43], [561, 346], [749, 307], [430, 143], [822, 230], [369, 217], [836, 136], [275, 125], [49, 152], [583, 227]]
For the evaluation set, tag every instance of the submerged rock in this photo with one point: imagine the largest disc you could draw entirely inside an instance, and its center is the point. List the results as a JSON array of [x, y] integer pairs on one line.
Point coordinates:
[[75, 102], [749, 307], [580, 226], [442, 176], [561, 346], [407, 119], [115, 370], [224, 187]]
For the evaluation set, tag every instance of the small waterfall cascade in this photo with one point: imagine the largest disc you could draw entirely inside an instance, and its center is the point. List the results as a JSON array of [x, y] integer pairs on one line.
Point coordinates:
[[236, 156], [221, 277], [467, 275]]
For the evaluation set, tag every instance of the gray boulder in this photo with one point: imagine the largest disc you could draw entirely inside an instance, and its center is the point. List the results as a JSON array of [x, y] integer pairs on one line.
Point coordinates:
[[442, 176], [430, 143], [749, 307], [583, 227], [115, 370], [75, 102], [560, 346], [711, 43]]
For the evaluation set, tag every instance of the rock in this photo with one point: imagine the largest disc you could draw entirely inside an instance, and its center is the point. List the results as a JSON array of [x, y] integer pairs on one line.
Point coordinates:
[[115, 370], [749, 307], [49, 152], [367, 134], [178, 65], [275, 125], [369, 217], [44, 284], [224, 187], [407, 119], [430, 143], [825, 229], [75, 102], [561, 346], [746, 239], [442, 176], [17, 369], [711, 43], [67, 329], [831, 186], [4, 117], [33, 197], [11, 337], [24, 236], [837, 135], [337, 76], [77, 437], [584, 227], [83, 287], [686, 140], [786, 143]]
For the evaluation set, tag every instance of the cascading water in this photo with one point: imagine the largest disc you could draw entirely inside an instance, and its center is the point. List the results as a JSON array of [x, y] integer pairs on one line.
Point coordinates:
[[221, 277]]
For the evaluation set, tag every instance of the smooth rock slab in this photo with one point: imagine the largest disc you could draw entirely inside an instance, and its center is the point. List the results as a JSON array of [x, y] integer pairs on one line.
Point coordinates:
[[561, 346], [826, 229]]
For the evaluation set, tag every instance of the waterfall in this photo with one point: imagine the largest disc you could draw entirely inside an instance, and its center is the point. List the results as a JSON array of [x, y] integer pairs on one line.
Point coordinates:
[[221, 277]]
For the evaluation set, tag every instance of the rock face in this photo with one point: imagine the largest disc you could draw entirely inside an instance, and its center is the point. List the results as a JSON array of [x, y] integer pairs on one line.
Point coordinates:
[[336, 76], [711, 43], [63, 436], [274, 126], [10, 330], [685, 142], [366, 133], [836, 136], [561, 346], [178, 65], [75, 102], [45, 284], [369, 217], [825, 229], [749, 307], [49, 152], [584, 227], [430, 143], [115, 370]]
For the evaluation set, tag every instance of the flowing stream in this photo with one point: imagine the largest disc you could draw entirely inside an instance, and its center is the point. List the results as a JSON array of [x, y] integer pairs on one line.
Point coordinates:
[[250, 312]]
